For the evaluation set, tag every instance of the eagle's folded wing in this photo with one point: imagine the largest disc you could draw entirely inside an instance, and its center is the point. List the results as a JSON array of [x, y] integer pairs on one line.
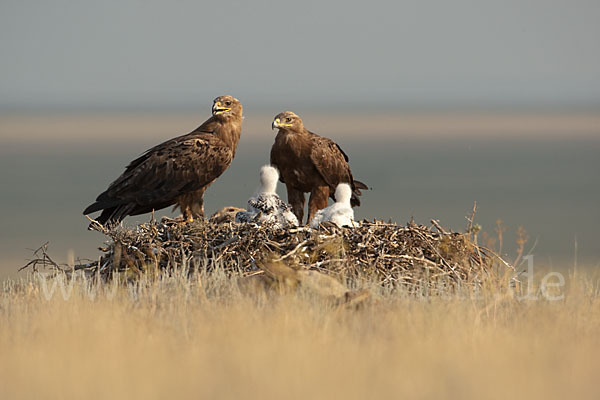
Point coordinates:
[[166, 171], [330, 161]]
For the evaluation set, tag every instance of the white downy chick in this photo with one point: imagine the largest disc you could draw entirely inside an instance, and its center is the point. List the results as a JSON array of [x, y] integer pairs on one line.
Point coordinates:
[[266, 206], [340, 212]]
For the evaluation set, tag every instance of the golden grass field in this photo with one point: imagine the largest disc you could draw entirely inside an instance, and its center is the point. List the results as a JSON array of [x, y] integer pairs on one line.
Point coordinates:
[[203, 338]]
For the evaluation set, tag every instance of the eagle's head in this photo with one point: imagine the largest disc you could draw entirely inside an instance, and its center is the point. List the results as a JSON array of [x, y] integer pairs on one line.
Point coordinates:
[[227, 106], [287, 120]]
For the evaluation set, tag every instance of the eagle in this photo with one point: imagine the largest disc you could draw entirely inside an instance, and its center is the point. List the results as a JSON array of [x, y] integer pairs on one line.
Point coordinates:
[[309, 163], [176, 172]]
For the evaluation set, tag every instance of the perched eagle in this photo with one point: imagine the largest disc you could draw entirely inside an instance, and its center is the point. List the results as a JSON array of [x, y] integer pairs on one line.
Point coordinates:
[[176, 172], [266, 206], [309, 163]]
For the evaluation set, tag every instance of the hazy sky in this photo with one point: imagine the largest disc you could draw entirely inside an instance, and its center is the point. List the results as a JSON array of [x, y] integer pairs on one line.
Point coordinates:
[[172, 54]]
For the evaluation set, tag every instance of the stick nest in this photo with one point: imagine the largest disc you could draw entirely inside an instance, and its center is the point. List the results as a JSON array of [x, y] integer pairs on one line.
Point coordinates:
[[389, 254]]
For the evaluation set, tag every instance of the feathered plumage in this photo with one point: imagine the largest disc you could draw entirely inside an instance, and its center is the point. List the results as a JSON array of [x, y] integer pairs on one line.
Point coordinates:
[[266, 206], [310, 163], [176, 172], [340, 212]]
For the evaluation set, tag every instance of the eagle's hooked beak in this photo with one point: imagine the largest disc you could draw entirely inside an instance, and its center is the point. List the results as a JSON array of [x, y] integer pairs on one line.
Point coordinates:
[[219, 109], [278, 124]]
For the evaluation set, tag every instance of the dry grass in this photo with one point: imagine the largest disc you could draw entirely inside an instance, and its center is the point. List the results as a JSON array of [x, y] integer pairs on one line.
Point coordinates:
[[175, 337]]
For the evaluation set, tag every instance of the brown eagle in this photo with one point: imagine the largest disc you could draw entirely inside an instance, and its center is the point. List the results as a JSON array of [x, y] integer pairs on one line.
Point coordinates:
[[176, 172], [309, 163]]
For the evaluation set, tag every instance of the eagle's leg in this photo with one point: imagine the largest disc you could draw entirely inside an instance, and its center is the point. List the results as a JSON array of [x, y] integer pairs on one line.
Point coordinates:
[[192, 205], [319, 197], [198, 207], [187, 215], [296, 200]]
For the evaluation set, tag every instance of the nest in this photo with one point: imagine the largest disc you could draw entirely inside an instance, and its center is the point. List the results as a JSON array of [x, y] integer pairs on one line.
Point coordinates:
[[387, 253]]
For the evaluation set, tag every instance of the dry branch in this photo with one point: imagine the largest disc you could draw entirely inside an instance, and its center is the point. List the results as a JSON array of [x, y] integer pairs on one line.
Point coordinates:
[[383, 252]]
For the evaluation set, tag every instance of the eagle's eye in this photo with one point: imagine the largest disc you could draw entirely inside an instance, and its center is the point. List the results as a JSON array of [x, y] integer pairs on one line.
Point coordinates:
[[228, 103], [288, 119]]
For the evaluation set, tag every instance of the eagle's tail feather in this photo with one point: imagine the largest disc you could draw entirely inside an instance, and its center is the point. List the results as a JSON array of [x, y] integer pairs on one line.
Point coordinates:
[[360, 185], [357, 186], [113, 215], [92, 208], [102, 204], [106, 215]]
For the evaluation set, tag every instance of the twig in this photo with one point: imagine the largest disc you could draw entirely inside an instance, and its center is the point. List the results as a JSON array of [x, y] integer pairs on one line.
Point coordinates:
[[436, 223], [298, 247], [470, 220]]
